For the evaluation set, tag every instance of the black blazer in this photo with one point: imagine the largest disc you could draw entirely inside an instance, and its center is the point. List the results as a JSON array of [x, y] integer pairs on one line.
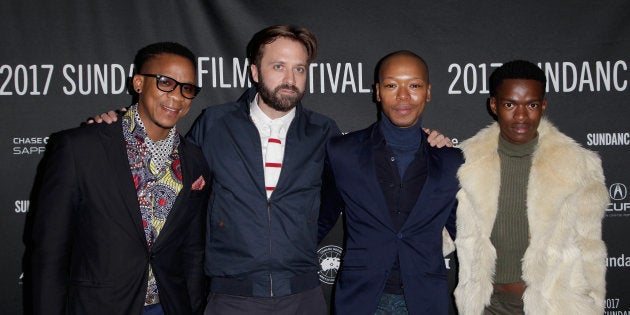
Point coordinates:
[[89, 252]]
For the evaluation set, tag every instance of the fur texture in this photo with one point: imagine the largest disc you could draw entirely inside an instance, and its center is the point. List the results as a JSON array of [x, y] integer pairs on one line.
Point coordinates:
[[564, 265]]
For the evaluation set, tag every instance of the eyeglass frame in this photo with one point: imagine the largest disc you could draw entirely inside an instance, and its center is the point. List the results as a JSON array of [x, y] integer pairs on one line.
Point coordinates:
[[177, 83]]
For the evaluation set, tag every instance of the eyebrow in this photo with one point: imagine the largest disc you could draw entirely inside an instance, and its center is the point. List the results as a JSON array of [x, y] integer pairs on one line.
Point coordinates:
[[526, 101], [411, 78], [285, 62], [164, 75]]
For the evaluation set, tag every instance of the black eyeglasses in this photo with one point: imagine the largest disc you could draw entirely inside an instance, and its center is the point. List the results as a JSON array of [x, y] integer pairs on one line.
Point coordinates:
[[167, 84]]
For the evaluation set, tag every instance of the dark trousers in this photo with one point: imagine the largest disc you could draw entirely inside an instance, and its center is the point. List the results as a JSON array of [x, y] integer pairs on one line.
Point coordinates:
[[392, 304], [155, 309], [309, 302], [504, 303]]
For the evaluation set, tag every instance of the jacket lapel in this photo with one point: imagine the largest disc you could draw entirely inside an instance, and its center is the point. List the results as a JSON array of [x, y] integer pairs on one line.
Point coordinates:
[[116, 151], [423, 209], [366, 159]]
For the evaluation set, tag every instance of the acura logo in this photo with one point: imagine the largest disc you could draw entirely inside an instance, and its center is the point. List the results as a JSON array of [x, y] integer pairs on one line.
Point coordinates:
[[618, 191]]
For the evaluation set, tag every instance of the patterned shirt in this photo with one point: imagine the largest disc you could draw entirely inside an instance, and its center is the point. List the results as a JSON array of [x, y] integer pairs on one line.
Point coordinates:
[[155, 167]]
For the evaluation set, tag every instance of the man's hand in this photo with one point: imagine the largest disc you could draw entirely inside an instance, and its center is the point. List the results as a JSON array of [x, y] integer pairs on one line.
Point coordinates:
[[436, 139], [108, 118]]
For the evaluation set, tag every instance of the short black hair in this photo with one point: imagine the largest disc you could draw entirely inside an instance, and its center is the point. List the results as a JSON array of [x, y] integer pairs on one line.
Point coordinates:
[[268, 35], [516, 69], [150, 51]]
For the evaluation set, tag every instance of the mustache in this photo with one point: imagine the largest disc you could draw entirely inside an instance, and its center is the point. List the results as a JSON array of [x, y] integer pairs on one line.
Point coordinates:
[[286, 87]]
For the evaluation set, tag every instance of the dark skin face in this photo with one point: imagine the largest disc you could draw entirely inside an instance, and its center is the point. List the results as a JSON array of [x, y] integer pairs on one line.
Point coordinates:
[[519, 105], [160, 110], [403, 89]]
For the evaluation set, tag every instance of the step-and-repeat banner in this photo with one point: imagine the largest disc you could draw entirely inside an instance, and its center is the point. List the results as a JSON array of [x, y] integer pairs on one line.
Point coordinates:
[[63, 61]]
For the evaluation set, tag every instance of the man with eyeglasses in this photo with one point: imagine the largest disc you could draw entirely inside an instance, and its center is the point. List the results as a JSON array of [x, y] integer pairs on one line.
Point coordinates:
[[119, 210], [266, 183], [261, 248], [168, 84]]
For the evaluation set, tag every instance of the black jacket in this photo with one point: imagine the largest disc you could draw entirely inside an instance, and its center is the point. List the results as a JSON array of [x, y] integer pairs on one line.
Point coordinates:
[[89, 251]]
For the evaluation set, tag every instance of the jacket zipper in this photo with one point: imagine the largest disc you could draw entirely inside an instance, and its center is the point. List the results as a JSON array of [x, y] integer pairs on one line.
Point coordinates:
[[269, 226], [268, 219]]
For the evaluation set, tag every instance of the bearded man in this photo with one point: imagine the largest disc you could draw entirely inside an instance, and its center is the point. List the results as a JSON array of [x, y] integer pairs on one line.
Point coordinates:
[[266, 153]]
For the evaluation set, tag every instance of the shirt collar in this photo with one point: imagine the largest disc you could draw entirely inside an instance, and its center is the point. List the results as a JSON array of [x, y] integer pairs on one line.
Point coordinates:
[[261, 118]]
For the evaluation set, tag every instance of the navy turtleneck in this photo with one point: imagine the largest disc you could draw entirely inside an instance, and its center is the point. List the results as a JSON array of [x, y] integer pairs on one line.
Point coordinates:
[[404, 142]]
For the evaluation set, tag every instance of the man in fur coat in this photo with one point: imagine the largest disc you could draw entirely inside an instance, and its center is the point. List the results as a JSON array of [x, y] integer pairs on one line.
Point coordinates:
[[530, 209]]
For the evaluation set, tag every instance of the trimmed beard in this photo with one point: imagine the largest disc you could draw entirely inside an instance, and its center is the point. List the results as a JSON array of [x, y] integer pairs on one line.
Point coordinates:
[[273, 99]]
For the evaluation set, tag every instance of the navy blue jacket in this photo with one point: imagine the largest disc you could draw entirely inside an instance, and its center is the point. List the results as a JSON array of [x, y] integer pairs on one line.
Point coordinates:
[[268, 245], [372, 241]]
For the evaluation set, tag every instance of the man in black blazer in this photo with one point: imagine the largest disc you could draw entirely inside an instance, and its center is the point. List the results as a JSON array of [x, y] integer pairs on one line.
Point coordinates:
[[119, 210]]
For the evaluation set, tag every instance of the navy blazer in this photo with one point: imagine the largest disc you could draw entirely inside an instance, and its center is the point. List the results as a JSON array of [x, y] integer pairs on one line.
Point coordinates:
[[89, 251], [372, 242]]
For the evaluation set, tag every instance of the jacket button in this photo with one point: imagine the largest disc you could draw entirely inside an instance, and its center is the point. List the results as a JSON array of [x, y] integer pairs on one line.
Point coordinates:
[[400, 235]]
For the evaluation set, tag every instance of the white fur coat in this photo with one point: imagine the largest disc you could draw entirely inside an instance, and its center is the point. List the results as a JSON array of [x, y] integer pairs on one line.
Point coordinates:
[[564, 265]]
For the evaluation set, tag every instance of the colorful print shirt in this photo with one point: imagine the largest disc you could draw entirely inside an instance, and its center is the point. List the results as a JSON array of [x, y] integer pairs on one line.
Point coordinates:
[[158, 181]]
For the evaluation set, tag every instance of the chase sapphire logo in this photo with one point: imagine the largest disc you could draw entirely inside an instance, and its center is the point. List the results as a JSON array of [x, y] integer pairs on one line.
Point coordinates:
[[329, 262], [618, 191]]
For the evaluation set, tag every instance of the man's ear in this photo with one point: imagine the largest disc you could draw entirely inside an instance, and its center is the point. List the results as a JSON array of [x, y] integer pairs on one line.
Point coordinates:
[[137, 81], [429, 93], [493, 105], [544, 105], [254, 70], [377, 91]]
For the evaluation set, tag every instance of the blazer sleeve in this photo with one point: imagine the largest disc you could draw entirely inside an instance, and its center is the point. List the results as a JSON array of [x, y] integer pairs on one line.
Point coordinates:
[[452, 158], [194, 258], [449, 231], [194, 241], [56, 196], [332, 203]]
